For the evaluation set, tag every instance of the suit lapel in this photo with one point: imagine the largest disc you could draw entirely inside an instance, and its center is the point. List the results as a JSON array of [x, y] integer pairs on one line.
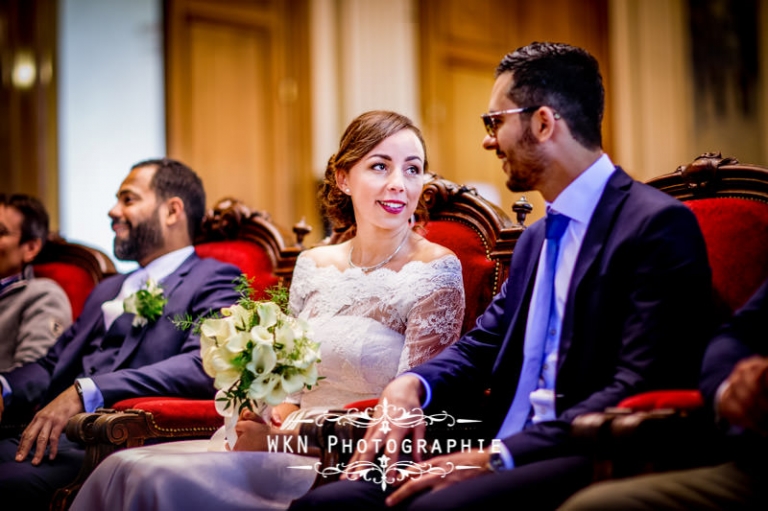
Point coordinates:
[[136, 334], [521, 290], [88, 324], [598, 231]]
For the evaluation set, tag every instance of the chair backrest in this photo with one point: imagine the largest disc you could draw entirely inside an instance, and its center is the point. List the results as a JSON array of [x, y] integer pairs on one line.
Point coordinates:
[[76, 268], [480, 234], [730, 201], [233, 233]]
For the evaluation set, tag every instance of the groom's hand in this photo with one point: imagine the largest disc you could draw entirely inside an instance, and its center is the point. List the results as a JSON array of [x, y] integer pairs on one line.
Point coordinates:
[[47, 425], [401, 398]]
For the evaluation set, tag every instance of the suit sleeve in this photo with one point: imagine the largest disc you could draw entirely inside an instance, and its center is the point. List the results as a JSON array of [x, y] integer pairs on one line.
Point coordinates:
[[30, 382], [462, 371], [742, 336], [46, 314]]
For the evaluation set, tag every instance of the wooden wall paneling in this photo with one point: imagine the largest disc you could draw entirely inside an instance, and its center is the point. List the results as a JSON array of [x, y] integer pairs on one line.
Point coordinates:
[[28, 144], [237, 99], [461, 45]]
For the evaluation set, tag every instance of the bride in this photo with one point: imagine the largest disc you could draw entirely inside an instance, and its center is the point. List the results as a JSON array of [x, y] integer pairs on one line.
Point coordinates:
[[379, 303]]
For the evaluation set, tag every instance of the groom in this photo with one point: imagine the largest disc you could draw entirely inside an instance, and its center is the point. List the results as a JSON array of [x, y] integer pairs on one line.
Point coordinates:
[[606, 297], [108, 354]]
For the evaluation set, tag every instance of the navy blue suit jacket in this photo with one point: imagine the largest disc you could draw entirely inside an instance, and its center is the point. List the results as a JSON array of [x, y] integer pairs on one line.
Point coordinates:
[[634, 320], [157, 359], [744, 335]]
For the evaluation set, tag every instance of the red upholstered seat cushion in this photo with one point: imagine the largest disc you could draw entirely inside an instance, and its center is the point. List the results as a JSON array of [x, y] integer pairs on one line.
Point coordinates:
[[180, 413], [677, 399], [478, 271], [175, 413], [736, 233], [75, 281], [362, 405], [252, 260]]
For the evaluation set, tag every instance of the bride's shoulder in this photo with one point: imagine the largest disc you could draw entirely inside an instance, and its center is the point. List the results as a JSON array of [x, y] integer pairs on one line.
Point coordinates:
[[427, 252], [326, 255]]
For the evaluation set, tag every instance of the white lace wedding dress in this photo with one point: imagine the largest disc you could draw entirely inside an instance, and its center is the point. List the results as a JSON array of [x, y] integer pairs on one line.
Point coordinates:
[[371, 328]]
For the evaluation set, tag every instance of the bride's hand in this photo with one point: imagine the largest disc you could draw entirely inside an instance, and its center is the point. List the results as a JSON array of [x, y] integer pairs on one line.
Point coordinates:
[[281, 411], [252, 432]]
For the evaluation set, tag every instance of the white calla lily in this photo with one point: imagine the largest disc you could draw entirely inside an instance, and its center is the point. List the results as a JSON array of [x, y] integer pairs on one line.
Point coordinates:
[[222, 406], [310, 376], [238, 342], [284, 336], [268, 313], [263, 360], [216, 331], [262, 387], [239, 315], [261, 335], [292, 382]]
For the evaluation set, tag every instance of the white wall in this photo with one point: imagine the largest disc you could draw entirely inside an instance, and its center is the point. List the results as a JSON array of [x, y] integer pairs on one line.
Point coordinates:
[[111, 108], [364, 57]]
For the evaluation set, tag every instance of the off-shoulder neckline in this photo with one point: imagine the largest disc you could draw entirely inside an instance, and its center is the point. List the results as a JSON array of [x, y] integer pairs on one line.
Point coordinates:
[[333, 267]]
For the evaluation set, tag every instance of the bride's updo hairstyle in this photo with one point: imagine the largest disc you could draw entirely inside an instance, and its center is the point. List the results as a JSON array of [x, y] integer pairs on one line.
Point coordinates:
[[363, 134]]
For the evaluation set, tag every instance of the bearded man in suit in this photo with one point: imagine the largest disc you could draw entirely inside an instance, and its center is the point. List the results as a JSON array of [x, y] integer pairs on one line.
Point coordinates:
[[612, 303], [113, 352]]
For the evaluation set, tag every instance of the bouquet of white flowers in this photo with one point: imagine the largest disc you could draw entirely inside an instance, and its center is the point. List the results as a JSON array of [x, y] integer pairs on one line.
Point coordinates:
[[257, 353]]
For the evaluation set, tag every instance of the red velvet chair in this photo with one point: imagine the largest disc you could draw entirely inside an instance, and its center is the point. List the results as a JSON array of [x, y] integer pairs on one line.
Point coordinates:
[[480, 234], [233, 233], [76, 268], [730, 200]]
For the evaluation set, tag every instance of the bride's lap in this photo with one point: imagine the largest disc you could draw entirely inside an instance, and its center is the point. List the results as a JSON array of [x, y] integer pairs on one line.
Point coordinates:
[[185, 475]]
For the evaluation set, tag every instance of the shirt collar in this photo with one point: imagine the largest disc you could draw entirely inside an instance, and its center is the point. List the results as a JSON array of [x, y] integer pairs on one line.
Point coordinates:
[[579, 199], [7, 281], [168, 263]]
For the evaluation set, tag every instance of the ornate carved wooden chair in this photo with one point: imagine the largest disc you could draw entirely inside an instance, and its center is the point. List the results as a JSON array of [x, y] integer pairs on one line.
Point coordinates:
[[480, 234], [667, 429], [232, 233], [76, 268]]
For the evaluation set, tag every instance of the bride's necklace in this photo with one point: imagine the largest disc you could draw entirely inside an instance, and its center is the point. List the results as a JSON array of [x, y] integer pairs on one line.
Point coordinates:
[[376, 266]]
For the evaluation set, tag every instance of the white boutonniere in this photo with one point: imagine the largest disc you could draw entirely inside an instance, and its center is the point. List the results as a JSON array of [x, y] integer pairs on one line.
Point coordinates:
[[147, 303]]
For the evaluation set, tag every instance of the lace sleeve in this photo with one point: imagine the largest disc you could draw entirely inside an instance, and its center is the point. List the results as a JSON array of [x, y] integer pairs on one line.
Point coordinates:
[[435, 321], [298, 290]]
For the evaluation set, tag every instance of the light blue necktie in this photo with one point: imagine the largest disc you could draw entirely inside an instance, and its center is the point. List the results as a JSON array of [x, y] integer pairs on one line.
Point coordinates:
[[540, 324]]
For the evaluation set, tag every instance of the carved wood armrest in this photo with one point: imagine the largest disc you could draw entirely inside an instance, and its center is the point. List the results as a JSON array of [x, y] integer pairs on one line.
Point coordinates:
[[625, 442], [101, 433], [106, 431]]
